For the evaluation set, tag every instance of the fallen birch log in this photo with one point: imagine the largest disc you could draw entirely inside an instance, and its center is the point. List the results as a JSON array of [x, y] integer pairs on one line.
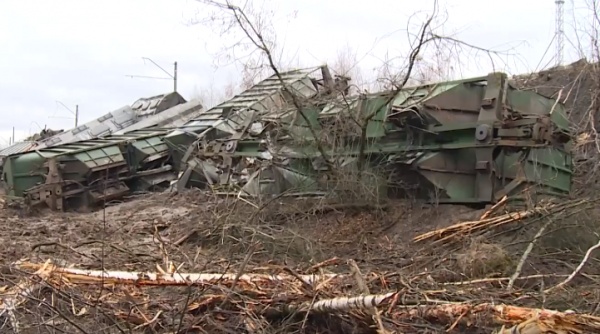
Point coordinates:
[[82, 276], [522, 319], [535, 320], [452, 314], [345, 304]]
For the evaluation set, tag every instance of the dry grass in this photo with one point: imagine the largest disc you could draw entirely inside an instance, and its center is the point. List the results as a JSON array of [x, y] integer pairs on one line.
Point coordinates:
[[483, 259]]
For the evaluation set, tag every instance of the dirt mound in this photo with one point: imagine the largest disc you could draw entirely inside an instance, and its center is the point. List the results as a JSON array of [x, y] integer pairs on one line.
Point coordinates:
[[575, 83]]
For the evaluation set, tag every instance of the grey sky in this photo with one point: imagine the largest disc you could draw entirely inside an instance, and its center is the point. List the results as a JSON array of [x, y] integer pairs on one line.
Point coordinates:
[[80, 51]]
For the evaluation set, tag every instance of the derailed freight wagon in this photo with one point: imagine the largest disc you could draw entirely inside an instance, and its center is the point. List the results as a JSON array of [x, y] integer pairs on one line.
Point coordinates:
[[90, 172], [466, 141], [204, 146]]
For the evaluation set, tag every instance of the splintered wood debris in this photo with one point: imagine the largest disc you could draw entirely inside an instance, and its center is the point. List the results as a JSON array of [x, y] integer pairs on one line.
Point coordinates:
[[485, 223], [261, 298]]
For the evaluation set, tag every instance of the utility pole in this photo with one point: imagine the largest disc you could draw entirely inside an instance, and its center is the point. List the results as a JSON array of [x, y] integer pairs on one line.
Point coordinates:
[[594, 36], [559, 32], [175, 76], [75, 113], [171, 76], [13, 136]]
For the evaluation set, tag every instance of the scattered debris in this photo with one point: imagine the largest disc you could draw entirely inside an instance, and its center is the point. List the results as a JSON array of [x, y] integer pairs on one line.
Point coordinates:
[[469, 228], [44, 134], [266, 300]]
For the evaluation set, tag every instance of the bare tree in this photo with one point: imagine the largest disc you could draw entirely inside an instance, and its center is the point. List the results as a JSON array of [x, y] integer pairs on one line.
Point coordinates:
[[438, 67], [260, 36], [258, 42], [347, 65], [213, 95]]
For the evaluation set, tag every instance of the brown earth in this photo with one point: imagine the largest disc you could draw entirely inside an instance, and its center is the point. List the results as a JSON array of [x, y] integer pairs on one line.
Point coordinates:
[[202, 233], [126, 233]]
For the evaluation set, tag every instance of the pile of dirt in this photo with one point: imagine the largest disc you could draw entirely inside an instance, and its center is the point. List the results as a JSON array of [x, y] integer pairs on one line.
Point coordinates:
[[577, 86], [574, 83]]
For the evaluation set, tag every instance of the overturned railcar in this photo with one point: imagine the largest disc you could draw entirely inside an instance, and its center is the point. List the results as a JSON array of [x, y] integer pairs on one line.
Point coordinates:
[[464, 141], [89, 172], [470, 141], [230, 123]]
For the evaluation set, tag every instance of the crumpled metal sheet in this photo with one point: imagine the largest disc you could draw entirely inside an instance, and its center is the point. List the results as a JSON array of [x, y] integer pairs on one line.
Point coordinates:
[[17, 148]]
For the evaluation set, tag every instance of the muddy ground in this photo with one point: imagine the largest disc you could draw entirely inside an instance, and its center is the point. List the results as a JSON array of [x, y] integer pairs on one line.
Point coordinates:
[[203, 231]]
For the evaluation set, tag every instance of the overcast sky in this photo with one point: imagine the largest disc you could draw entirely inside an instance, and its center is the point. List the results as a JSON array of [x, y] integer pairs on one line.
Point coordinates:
[[80, 51]]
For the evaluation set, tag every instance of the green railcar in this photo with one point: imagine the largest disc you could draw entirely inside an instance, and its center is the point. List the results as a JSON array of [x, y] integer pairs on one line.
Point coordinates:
[[465, 141], [88, 172]]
